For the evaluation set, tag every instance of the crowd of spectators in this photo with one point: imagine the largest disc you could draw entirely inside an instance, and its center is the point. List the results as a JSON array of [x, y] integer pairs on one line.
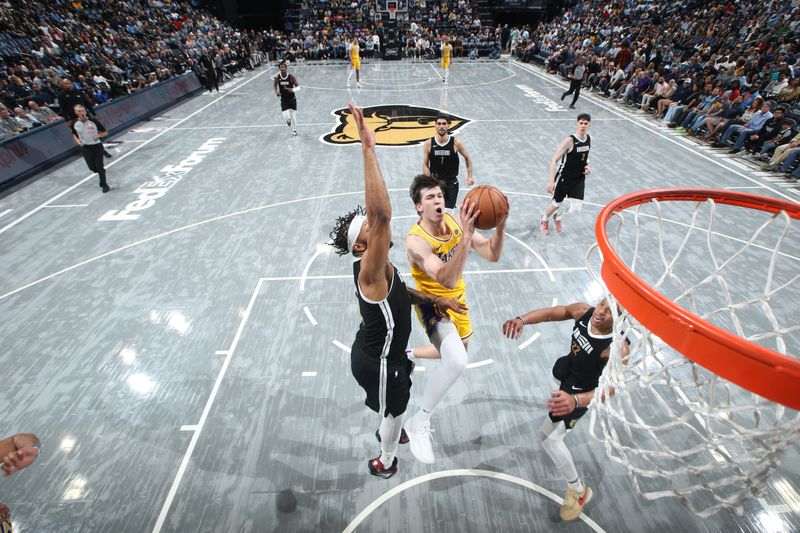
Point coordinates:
[[325, 26], [704, 68], [105, 49]]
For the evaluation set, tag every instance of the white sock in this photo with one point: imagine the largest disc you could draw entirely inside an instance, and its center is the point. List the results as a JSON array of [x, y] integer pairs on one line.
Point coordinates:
[[350, 75], [390, 436], [293, 118]]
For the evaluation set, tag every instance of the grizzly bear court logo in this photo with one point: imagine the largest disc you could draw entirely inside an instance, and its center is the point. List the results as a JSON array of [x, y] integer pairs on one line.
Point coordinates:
[[394, 125]]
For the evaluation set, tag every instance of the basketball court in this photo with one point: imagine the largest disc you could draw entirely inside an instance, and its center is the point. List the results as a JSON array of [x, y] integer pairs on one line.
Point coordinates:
[[181, 343]]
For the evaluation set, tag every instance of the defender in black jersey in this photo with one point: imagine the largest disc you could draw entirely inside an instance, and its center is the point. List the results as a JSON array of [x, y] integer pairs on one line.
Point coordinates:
[[577, 374], [378, 357], [285, 85], [440, 158], [567, 174]]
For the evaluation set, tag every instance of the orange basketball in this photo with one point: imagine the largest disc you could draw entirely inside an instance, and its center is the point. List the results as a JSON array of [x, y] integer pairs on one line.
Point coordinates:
[[491, 202]]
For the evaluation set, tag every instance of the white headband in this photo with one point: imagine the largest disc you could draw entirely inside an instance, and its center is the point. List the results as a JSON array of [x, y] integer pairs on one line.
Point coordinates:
[[354, 230]]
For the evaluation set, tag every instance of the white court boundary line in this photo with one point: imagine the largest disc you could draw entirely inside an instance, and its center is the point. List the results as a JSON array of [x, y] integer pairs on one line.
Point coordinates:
[[204, 416], [650, 128], [465, 472], [123, 156]]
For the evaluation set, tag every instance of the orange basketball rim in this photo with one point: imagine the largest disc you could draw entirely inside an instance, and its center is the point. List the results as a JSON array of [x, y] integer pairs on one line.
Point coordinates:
[[760, 370]]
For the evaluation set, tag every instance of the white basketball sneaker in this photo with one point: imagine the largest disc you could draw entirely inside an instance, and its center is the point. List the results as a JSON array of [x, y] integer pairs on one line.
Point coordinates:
[[420, 439]]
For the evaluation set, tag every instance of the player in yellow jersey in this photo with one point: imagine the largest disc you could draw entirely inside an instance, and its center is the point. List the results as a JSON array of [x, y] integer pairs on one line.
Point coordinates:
[[438, 246], [447, 53], [353, 51]]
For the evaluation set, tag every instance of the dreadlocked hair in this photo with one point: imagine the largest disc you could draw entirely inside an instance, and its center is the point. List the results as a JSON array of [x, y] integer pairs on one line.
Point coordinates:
[[339, 234]]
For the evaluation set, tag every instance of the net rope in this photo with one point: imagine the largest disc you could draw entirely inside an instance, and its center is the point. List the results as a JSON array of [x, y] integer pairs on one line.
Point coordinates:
[[680, 430]]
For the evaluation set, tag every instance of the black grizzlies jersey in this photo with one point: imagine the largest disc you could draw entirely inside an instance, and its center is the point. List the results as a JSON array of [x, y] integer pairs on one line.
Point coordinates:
[[385, 325], [286, 83], [443, 159], [573, 163], [580, 370]]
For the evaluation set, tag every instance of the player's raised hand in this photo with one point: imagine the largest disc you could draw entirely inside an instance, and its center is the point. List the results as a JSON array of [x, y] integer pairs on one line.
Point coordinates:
[[512, 328], [469, 214], [366, 135]]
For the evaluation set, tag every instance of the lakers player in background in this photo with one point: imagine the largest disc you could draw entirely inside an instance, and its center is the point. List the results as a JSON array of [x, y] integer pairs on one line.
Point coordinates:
[[354, 51], [447, 54], [437, 247]]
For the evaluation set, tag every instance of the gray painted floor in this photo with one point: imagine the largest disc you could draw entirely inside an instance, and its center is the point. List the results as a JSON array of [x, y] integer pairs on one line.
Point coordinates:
[[184, 367]]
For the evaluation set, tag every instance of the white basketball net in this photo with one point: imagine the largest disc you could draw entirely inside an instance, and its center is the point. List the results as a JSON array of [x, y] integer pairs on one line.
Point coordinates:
[[679, 429]]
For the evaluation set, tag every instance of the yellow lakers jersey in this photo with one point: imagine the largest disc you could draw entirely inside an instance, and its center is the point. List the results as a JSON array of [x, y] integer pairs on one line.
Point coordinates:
[[447, 49], [444, 249], [354, 50]]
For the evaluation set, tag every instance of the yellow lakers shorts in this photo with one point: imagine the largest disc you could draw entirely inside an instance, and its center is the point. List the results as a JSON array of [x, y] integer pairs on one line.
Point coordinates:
[[445, 63], [430, 317], [355, 63]]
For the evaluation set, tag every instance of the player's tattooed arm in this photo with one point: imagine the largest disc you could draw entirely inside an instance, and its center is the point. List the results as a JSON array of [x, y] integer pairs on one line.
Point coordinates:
[[441, 303]]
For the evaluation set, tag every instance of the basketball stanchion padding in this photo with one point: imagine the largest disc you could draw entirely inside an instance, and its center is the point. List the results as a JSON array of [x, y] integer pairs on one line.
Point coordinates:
[[706, 402]]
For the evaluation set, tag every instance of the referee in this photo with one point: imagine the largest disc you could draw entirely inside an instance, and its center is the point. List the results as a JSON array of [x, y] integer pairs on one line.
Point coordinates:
[[68, 98], [575, 81], [87, 133]]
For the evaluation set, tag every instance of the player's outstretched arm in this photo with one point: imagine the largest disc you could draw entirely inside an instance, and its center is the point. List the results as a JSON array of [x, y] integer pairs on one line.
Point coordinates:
[[513, 328], [562, 149], [18, 451], [379, 215]]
